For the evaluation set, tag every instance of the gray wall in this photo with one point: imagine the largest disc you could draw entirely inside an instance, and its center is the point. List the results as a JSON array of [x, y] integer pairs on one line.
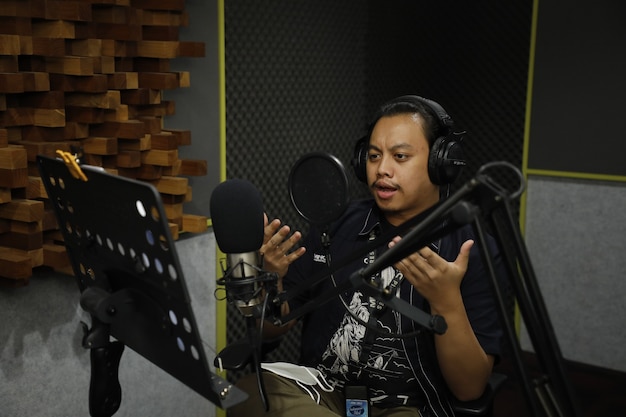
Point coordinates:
[[197, 107], [576, 235], [576, 228], [44, 371]]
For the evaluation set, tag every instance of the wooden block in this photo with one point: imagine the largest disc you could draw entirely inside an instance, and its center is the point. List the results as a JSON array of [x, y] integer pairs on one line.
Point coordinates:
[[120, 32], [74, 130], [172, 211], [160, 33], [14, 134], [36, 81], [100, 146], [25, 227], [170, 5], [12, 83], [35, 188], [67, 10], [108, 100], [22, 210], [157, 49], [16, 25], [175, 229], [70, 65], [54, 29], [38, 117], [19, 193], [91, 159], [173, 199], [128, 159], [13, 178], [84, 114], [152, 124], [129, 129], [111, 47], [151, 64], [160, 158], [8, 64], [124, 64], [183, 136], [161, 80], [171, 185], [55, 256], [193, 167], [142, 144], [22, 241], [42, 46], [42, 100], [13, 265], [118, 114], [4, 138], [10, 45], [164, 18], [172, 170], [104, 65], [48, 117], [117, 15], [49, 221], [123, 81], [149, 172], [13, 157], [97, 83], [158, 110], [5, 197], [140, 96], [164, 141], [34, 148], [85, 47], [194, 223]]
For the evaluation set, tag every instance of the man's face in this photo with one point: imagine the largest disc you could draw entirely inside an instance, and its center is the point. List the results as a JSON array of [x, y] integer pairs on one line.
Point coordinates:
[[397, 168]]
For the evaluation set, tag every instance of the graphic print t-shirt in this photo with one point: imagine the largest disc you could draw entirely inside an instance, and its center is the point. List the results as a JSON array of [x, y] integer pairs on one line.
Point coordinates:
[[379, 362]]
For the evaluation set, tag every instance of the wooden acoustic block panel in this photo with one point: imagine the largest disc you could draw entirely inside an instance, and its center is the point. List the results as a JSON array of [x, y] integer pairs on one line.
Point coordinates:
[[88, 76]]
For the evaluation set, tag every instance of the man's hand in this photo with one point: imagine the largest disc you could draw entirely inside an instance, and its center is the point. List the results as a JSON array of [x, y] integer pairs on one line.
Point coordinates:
[[278, 247]]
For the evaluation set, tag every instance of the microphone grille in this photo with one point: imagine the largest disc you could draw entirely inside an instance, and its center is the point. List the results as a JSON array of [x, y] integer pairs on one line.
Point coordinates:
[[237, 216]]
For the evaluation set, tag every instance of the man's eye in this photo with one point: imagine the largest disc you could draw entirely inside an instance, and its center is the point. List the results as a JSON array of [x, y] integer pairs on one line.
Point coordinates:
[[373, 156], [401, 156]]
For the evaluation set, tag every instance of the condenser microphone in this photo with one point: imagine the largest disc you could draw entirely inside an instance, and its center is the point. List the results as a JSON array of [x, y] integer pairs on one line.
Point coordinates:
[[237, 216]]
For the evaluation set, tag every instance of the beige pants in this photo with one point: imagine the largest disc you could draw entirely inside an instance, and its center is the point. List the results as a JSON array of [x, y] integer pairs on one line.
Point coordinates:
[[287, 399]]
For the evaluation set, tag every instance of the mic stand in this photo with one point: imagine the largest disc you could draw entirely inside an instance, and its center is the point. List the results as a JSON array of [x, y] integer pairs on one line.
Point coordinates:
[[244, 293], [551, 394], [131, 283]]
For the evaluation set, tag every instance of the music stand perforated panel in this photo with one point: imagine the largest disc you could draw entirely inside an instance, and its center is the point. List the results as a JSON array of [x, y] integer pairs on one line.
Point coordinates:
[[118, 240]]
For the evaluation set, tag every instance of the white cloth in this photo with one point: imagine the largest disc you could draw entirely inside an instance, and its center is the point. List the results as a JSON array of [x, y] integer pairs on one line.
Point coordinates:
[[307, 378]]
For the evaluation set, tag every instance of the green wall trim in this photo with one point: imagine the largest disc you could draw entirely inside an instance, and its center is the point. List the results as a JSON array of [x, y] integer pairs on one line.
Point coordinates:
[[220, 308], [529, 100], [578, 175]]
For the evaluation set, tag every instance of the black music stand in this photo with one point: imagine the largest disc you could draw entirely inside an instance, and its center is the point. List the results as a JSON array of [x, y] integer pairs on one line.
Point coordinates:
[[131, 283]]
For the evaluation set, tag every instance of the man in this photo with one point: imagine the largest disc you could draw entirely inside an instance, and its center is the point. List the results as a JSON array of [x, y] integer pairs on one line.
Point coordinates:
[[411, 375]]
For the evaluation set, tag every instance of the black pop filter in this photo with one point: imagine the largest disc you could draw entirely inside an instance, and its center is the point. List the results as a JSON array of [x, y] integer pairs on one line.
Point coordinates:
[[318, 187]]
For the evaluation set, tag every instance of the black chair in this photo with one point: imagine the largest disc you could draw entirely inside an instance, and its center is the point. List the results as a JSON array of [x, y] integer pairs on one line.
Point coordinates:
[[482, 406]]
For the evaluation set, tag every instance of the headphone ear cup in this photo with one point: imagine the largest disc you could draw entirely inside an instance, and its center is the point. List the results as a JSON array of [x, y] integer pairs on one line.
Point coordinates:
[[359, 159], [434, 161], [445, 161]]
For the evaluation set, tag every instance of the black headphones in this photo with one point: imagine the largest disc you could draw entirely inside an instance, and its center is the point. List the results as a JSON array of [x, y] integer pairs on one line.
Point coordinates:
[[445, 160]]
